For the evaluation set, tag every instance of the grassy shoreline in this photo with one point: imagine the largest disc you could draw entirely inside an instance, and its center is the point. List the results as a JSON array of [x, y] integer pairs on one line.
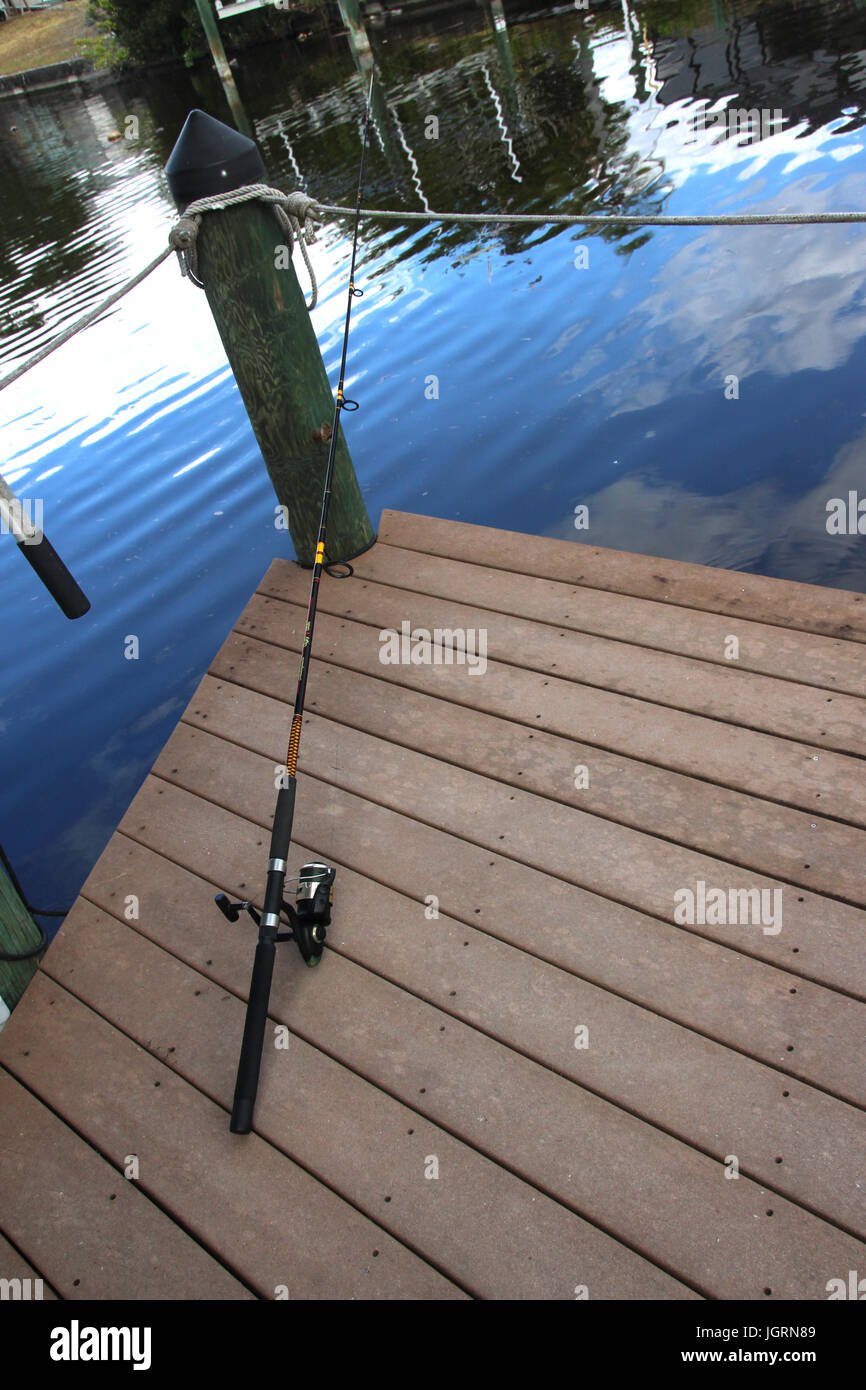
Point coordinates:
[[40, 37]]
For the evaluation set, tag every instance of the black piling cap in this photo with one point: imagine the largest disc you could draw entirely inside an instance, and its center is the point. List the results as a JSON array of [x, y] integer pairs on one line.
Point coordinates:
[[210, 158]]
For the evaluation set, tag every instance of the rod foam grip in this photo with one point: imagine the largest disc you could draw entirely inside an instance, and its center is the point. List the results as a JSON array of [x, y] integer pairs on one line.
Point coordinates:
[[284, 814], [254, 1037]]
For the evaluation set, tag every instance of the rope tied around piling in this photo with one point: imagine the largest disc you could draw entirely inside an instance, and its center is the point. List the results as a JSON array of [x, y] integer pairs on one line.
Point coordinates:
[[296, 214]]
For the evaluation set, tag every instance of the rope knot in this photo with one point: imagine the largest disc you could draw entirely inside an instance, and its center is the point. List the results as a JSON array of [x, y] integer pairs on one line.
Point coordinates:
[[182, 239], [183, 233], [306, 211], [296, 214]]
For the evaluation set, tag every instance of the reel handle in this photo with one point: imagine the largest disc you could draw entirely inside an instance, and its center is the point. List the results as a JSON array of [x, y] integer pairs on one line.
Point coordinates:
[[231, 911]]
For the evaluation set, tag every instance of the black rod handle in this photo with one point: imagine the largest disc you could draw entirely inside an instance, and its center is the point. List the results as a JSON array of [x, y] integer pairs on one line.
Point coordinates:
[[60, 584], [250, 1062]]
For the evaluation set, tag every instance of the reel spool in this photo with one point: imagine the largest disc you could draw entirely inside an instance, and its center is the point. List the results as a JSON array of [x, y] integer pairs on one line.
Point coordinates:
[[309, 918], [313, 911]]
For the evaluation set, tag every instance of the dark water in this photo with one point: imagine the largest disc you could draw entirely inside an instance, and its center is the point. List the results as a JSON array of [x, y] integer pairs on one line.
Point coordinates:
[[558, 385]]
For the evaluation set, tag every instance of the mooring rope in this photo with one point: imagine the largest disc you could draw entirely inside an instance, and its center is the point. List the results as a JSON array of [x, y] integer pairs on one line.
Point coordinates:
[[613, 219], [90, 317], [296, 213]]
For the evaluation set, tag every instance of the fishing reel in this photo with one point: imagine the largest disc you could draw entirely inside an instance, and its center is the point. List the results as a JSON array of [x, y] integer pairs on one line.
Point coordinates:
[[308, 919], [312, 913]]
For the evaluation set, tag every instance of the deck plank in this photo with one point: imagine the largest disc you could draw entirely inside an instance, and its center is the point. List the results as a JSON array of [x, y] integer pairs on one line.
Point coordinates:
[[91, 1232], [795, 773], [669, 1075], [782, 602], [659, 1195], [830, 663], [722, 692], [373, 779], [697, 983], [256, 1210], [498, 1235], [726, 824], [12, 1266]]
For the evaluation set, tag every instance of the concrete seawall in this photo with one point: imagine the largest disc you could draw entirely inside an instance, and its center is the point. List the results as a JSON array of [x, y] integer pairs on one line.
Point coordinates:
[[53, 75]]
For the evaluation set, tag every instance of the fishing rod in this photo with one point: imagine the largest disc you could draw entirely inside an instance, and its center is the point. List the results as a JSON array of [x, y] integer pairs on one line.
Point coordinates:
[[311, 916]]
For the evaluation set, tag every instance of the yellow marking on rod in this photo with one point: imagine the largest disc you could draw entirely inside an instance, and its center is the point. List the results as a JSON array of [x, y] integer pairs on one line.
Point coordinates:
[[320, 553], [294, 743]]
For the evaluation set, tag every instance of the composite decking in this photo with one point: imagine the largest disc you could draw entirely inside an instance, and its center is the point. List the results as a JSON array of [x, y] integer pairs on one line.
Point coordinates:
[[436, 1127]]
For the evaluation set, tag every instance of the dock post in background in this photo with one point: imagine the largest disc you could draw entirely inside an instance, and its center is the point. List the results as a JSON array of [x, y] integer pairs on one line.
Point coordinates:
[[361, 50], [210, 25], [350, 13], [263, 320], [18, 933]]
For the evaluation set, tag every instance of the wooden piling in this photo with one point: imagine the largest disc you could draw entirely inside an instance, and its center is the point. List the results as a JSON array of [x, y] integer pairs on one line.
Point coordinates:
[[18, 933], [263, 320]]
